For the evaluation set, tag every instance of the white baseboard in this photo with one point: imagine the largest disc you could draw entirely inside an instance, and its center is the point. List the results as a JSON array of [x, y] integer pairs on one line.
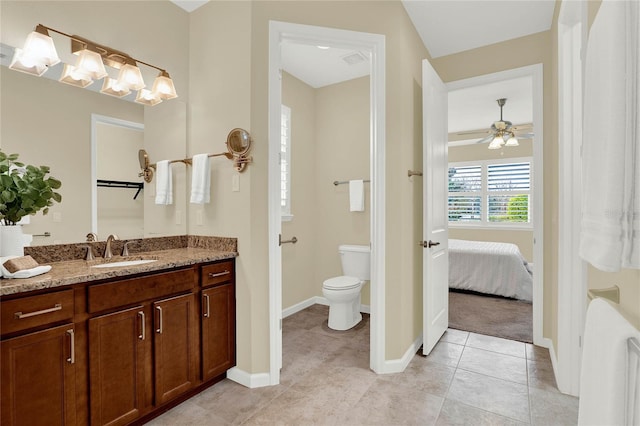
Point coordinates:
[[548, 343], [315, 300], [248, 380], [399, 365]]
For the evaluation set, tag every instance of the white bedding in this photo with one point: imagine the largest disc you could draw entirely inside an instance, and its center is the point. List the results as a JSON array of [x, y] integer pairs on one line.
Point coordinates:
[[489, 267]]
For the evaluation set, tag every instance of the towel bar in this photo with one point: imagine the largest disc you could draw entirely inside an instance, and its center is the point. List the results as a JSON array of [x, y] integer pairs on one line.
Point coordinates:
[[611, 293]]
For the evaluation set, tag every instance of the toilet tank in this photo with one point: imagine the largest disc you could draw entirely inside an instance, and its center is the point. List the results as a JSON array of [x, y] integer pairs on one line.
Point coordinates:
[[356, 261]]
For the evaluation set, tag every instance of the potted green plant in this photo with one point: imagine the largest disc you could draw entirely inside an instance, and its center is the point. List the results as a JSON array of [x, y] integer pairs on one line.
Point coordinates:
[[24, 190]]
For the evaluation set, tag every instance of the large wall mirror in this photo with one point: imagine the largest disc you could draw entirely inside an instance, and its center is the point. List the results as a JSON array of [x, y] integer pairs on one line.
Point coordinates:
[[53, 124]]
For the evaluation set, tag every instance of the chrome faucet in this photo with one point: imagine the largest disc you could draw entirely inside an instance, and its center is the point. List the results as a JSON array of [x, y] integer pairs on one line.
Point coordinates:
[[107, 250]]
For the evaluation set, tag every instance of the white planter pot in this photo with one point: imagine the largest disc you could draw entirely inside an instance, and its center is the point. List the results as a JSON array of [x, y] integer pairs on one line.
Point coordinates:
[[11, 241]]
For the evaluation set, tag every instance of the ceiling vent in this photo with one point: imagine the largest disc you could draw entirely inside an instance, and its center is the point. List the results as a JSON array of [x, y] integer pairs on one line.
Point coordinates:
[[354, 58]]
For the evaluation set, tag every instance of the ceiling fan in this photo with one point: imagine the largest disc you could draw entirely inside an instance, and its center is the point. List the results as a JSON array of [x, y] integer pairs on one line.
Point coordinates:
[[503, 132]]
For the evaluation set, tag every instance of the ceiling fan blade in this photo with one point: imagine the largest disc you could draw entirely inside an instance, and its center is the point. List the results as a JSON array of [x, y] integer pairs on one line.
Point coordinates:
[[473, 132], [524, 135], [485, 140], [522, 127]]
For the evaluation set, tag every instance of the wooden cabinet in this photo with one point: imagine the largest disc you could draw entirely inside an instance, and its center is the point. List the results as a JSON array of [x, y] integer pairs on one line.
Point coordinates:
[[218, 330], [117, 358], [175, 347], [38, 378], [118, 351]]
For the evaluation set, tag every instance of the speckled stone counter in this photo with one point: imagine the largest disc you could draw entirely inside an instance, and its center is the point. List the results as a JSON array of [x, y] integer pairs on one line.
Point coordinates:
[[63, 272]]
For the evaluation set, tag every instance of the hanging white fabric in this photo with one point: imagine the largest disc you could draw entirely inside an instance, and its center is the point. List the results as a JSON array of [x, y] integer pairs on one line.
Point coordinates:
[[610, 228]]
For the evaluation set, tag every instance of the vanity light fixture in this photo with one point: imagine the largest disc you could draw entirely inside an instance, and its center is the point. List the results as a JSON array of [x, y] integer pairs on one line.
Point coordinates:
[[39, 53]]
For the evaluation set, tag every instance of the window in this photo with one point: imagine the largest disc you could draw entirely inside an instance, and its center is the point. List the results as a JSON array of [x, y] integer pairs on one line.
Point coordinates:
[[285, 163], [490, 193]]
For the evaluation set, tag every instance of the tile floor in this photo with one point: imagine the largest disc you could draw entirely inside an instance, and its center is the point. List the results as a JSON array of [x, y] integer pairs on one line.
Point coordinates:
[[468, 379]]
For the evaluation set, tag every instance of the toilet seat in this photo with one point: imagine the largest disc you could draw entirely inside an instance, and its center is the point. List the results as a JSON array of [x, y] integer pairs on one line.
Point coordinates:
[[341, 283]]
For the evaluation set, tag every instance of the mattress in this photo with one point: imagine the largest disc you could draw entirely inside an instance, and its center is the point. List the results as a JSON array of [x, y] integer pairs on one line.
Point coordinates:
[[489, 267]]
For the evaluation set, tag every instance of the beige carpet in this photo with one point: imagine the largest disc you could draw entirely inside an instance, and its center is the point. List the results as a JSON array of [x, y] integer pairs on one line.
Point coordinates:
[[493, 316]]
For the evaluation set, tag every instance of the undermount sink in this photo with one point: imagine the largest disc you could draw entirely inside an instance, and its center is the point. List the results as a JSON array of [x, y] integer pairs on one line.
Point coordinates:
[[124, 263]]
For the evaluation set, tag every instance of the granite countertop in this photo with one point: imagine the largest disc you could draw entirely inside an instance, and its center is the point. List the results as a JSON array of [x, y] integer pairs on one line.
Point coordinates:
[[78, 271]]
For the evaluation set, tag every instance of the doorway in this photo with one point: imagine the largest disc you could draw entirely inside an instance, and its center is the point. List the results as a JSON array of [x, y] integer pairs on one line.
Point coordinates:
[[534, 75], [372, 45]]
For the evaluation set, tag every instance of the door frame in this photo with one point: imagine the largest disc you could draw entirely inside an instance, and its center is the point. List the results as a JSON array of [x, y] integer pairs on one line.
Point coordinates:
[[375, 45], [572, 270], [535, 72]]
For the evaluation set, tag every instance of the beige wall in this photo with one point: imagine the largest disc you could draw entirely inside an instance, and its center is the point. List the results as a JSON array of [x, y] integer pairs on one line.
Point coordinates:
[[628, 280], [529, 50], [299, 260], [330, 141], [62, 136], [522, 238], [118, 213]]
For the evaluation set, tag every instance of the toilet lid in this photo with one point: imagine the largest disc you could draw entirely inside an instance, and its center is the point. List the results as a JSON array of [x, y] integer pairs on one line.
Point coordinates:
[[341, 283]]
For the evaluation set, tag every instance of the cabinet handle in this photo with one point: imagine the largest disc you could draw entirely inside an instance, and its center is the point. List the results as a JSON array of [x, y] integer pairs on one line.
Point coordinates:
[[159, 329], [72, 347], [142, 325], [219, 274], [20, 315], [206, 299]]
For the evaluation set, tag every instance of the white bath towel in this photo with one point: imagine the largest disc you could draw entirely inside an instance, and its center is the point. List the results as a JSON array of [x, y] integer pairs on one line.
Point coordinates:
[[164, 183], [356, 195], [604, 369], [610, 226], [200, 179]]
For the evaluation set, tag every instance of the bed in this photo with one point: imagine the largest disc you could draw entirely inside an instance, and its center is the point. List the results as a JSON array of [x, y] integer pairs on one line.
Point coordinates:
[[489, 267]]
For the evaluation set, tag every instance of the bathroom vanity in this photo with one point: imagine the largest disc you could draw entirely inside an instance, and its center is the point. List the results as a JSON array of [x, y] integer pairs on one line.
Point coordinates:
[[116, 345]]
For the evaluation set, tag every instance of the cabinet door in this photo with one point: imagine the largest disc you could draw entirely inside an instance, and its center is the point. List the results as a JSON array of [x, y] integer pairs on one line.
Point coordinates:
[[117, 346], [218, 330], [38, 378], [175, 347]]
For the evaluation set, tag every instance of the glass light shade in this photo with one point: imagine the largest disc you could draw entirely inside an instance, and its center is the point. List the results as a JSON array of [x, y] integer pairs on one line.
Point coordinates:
[[147, 97], [25, 63], [91, 64], [512, 141], [163, 87], [75, 77], [130, 77], [41, 49], [496, 143], [111, 87]]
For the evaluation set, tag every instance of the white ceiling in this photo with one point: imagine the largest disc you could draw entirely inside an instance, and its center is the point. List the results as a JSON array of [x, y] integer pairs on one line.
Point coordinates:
[[476, 107], [446, 27], [451, 26]]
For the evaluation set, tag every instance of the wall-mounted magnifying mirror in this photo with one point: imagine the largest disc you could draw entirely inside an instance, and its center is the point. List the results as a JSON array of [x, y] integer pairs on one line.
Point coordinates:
[[147, 171], [239, 143]]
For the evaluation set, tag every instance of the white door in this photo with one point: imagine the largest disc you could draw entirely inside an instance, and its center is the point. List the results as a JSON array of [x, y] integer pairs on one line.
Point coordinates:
[[435, 316]]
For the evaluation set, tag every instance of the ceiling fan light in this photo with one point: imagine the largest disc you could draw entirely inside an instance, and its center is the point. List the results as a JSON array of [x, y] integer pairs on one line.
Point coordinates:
[[512, 141], [75, 77], [497, 142]]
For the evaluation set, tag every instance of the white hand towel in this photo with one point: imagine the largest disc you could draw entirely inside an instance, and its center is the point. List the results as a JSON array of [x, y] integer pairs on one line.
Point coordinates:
[[356, 195], [610, 226], [201, 179], [604, 369], [164, 183]]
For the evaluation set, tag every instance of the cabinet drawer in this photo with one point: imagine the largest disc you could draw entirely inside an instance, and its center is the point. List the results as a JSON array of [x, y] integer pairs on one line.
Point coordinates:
[[217, 273], [135, 290], [34, 311]]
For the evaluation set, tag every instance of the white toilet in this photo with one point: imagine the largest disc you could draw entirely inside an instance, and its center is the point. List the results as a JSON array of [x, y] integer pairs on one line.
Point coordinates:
[[343, 293]]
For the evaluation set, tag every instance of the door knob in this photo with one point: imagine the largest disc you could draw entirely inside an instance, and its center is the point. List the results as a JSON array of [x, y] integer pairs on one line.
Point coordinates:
[[281, 241], [429, 244]]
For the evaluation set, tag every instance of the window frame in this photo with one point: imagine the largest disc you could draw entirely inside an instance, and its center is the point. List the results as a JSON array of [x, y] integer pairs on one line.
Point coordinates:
[[484, 195]]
